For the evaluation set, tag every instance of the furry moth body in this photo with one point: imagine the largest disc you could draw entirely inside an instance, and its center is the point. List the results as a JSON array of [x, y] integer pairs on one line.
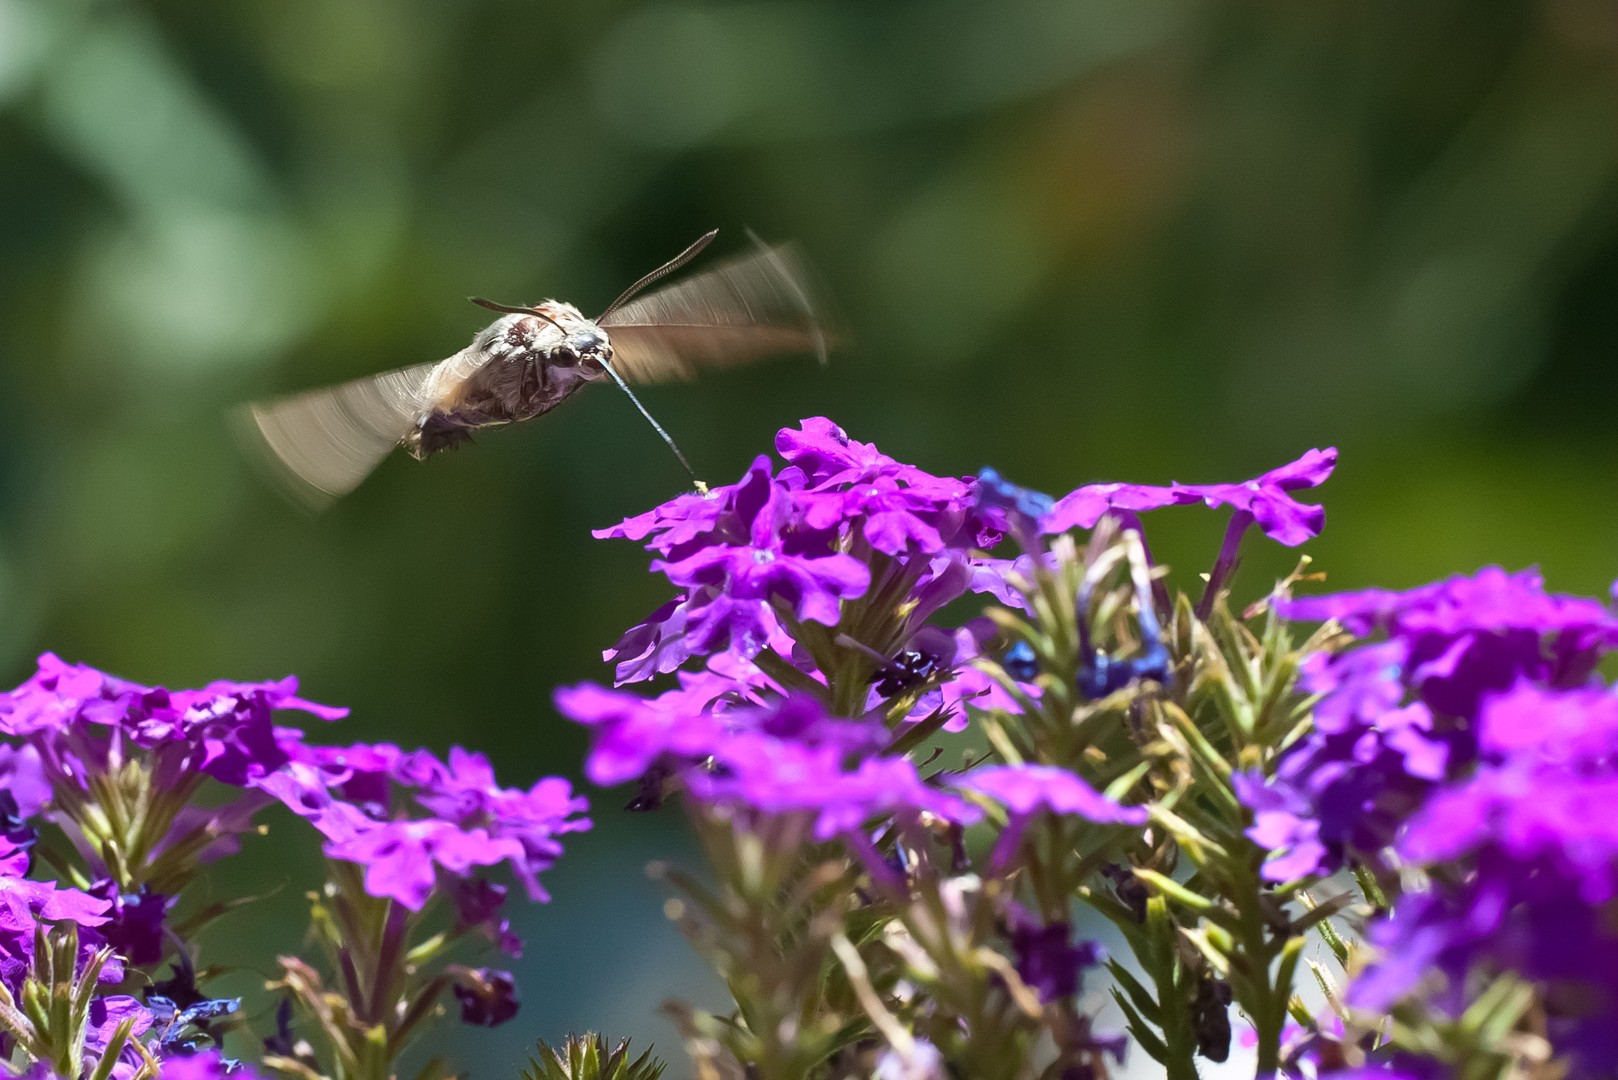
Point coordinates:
[[322, 443]]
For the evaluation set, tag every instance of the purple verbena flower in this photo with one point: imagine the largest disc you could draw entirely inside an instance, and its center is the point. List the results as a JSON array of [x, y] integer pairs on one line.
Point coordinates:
[[839, 523], [23, 780], [995, 576], [733, 587], [1028, 789], [1526, 860], [223, 730], [1470, 635], [1047, 958], [1566, 727], [1281, 517], [106, 1014], [456, 817], [1283, 825], [1266, 498], [776, 776], [204, 1065], [135, 926], [26, 904], [1399, 717], [825, 456], [1358, 776], [402, 859], [631, 733]]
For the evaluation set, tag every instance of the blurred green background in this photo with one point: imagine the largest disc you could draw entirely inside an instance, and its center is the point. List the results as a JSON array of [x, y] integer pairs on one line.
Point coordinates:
[[1077, 239]]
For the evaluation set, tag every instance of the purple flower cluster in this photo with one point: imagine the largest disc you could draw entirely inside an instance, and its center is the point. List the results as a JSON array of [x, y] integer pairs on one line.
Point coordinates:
[[791, 756], [79, 729], [30, 912], [1470, 740], [25, 904], [787, 756], [115, 764], [117, 768], [413, 820], [80, 720], [1398, 715], [837, 523], [1525, 856], [805, 594]]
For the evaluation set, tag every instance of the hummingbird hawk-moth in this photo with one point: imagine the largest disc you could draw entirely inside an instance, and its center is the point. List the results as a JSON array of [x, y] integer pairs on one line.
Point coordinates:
[[322, 443]]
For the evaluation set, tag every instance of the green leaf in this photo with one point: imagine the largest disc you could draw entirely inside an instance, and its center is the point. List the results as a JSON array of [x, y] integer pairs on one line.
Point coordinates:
[[1167, 886], [1145, 1037], [1140, 997]]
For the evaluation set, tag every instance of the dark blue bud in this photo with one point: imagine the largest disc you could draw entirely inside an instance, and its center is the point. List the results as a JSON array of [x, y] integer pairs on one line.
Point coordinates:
[[181, 987], [1102, 675], [1155, 664], [1019, 662]]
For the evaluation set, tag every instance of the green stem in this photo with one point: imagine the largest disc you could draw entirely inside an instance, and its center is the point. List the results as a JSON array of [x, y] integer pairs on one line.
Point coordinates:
[[1163, 965]]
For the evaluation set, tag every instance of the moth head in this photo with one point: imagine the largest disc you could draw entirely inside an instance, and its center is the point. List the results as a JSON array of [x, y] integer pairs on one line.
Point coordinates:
[[587, 343], [581, 339]]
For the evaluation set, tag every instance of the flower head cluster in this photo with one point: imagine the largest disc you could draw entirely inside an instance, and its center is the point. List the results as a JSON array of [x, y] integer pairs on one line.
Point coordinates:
[[115, 766], [839, 522], [57, 943], [27, 906], [1468, 739], [413, 820], [83, 721], [1525, 856], [806, 594], [1400, 715], [787, 756], [146, 785]]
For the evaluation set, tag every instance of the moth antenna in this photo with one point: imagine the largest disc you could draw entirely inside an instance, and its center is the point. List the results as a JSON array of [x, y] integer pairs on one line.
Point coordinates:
[[662, 271], [510, 310], [822, 351], [684, 464]]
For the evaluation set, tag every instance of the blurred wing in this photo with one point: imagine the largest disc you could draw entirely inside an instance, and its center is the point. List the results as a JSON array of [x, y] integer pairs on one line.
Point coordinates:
[[320, 444], [744, 310]]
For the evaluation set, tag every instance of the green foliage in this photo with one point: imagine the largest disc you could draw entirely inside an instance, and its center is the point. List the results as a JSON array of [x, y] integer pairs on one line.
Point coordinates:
[[588, 1057], [50, 1018]]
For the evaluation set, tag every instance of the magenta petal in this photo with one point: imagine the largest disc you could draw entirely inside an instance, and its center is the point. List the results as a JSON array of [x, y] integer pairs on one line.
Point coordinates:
[[1025, 789]]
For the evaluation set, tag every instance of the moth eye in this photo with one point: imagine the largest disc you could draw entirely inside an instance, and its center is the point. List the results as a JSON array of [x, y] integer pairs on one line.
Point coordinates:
[[564, 354]]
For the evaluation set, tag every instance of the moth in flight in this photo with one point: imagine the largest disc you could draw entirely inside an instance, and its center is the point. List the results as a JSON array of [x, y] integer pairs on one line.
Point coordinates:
[[320, 444]]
